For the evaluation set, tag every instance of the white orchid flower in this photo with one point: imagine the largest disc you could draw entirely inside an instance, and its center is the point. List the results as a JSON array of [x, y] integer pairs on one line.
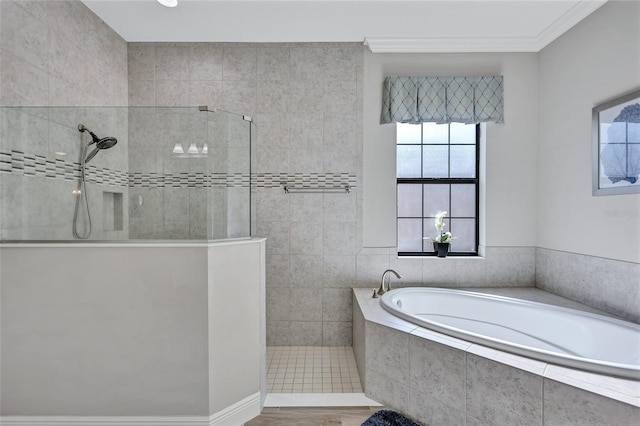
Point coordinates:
[[439, 222]]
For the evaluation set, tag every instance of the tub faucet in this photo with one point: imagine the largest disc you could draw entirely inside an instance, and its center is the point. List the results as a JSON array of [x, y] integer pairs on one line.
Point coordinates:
[[382, 290]]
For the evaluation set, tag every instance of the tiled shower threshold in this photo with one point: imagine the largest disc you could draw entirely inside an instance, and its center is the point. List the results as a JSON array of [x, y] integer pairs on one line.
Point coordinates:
[[313, 376]]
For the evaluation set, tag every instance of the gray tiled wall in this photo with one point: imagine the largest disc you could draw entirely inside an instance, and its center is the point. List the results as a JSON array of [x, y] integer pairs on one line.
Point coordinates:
[[304, 99], [610, 285], [58, 54]]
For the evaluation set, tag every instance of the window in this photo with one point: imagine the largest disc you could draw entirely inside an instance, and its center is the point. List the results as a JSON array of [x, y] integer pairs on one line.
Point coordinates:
[[437, 169]]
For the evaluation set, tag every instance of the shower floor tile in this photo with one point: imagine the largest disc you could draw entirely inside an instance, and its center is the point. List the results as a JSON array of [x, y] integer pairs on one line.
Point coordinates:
[[312, 369]]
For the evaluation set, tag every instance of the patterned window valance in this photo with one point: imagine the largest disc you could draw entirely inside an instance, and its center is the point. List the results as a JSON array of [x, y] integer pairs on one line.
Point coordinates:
[[442, 99]]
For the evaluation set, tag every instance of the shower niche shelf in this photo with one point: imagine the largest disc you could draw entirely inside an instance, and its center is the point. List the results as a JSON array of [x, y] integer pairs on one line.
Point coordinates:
[[112, 211]]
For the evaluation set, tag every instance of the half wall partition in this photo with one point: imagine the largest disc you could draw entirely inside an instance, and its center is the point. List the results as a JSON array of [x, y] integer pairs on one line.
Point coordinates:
[[153, 209], [175, 173]]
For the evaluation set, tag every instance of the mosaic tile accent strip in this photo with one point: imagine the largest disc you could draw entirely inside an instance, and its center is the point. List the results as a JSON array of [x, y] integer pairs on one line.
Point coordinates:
[[315, 180], [189, 180], [168, 180], [16, 162]]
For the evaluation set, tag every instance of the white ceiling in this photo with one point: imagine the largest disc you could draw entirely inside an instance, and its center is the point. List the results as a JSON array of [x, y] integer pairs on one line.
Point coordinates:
[[386, 26]]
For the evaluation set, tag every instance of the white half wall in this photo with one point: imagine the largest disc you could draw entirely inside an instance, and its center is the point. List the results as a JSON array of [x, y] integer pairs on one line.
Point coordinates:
[[91, 330], [118, 332], [596, 61]]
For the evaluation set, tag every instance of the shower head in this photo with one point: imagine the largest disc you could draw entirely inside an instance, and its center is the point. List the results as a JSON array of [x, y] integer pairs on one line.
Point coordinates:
[[101, 143]]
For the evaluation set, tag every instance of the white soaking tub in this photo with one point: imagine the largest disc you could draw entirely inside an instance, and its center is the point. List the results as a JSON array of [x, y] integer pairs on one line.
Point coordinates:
[[557, 335]]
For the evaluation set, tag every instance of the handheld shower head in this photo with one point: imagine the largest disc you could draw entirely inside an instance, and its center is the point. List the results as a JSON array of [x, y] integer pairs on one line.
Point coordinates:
[[101, 143]]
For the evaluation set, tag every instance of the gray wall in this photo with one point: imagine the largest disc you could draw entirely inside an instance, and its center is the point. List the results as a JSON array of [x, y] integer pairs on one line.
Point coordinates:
[[594, 62], [589, 249], [507, 175], [58, 54], [306, 100]]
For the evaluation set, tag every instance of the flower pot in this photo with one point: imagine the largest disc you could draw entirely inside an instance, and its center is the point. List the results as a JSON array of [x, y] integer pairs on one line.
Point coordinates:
[[441, 249]]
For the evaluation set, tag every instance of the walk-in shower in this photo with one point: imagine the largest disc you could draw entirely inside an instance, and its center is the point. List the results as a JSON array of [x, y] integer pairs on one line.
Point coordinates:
[[171, 173]]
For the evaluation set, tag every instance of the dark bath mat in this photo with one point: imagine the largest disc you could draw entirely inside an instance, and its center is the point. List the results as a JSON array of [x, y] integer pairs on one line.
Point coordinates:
[[388, 418]]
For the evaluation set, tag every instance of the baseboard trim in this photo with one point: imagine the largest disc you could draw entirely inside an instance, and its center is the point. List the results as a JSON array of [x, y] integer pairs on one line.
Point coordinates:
[[238, 413], [104, 421], [234, 415]]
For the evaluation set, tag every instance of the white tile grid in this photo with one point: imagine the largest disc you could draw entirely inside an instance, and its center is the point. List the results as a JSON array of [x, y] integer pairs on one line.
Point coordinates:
[[312, 369]]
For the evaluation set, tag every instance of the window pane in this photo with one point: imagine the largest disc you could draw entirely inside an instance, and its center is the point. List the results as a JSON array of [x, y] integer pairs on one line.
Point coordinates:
[[464, 231], [435, 133], [463, 133], [436, 161], [409, 234], [409, 200], [463, 161], [427, 245], [408, 133], [463, 200], [408, 161], [436, 198], [444, 152]]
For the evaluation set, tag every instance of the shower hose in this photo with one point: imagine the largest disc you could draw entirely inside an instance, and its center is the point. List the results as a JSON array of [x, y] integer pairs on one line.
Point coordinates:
[[81, 193]]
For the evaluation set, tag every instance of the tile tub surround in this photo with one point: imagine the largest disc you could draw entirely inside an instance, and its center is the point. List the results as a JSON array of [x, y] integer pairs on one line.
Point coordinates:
[[437, 379], [610, 285]]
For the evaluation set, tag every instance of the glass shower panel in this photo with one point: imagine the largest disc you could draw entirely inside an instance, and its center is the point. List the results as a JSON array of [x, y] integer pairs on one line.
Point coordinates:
[[40, 157], [230, 214], [175, 173], [168, 170]]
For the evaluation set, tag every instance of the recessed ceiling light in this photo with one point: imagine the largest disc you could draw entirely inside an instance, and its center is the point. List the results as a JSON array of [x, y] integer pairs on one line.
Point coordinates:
[[168, 3]]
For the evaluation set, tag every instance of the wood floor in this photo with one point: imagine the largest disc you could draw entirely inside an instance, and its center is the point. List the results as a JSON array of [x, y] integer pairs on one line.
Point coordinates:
[[313, 416]]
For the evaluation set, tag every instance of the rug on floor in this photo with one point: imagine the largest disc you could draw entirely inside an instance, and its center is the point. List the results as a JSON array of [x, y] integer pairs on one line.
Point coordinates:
[[388, 418]]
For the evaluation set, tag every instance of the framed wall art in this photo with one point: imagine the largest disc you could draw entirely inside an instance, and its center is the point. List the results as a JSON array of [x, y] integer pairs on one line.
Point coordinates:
[[616, 146]]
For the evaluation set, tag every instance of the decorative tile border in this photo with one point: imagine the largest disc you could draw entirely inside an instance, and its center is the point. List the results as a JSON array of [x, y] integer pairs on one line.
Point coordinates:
[[314, 180], [19, 163]]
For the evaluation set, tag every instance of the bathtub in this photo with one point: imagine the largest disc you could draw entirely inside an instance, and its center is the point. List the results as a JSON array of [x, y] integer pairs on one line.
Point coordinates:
[[549, 333]]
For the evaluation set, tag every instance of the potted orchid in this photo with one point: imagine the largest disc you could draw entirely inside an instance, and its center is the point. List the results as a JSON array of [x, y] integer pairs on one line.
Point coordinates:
[[441, 242]]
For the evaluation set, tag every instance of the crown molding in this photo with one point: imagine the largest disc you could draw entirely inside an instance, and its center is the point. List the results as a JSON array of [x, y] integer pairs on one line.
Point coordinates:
[[450, 45], [570, 18], [575, 14]]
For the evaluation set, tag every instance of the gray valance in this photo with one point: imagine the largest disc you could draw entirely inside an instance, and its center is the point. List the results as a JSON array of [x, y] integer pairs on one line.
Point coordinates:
[[442, 99]]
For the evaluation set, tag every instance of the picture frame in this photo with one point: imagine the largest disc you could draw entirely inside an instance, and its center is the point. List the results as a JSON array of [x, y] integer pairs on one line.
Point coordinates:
[[616, 146]]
